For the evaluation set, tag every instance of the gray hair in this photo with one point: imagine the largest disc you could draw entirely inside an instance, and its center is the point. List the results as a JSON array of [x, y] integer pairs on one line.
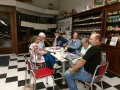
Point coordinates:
[[83, 40], [42, 34]]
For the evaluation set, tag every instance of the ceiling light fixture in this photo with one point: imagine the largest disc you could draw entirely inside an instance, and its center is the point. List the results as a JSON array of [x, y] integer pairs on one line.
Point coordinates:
[[3, 22]]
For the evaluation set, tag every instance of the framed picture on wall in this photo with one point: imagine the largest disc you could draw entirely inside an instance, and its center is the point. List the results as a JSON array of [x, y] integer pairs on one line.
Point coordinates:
[[98, 3]]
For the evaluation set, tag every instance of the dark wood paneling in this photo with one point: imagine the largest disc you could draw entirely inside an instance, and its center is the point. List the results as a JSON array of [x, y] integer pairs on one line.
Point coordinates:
[[23, 48], [5, 50], [8, 50], [113, 56]]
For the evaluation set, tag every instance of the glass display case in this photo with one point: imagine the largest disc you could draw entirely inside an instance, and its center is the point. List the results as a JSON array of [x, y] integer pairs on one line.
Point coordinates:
[[5, 32]]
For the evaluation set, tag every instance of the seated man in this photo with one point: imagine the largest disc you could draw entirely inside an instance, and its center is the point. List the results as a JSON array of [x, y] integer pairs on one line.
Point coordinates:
[[59, 40], [74, 44], [87, 64]]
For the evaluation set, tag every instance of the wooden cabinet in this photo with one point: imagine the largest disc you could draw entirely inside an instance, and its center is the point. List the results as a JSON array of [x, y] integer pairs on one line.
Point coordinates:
[[87, 22], [112, 29], [106, 21], [113, 56], [7, 29], [112, 22]]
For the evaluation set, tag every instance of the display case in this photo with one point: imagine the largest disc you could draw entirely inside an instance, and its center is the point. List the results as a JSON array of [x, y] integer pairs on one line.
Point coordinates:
[[88, 22], [7, 29], [112, 25], [112, 29]]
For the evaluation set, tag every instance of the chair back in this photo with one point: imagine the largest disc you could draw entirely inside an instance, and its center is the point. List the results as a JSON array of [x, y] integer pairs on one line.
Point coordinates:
[[99, 72], [28, 63], [36, 57], [103, 57]]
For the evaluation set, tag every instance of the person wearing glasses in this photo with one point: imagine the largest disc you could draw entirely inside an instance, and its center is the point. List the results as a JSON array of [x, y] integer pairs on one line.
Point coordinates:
[[87, 64], [59, 40]]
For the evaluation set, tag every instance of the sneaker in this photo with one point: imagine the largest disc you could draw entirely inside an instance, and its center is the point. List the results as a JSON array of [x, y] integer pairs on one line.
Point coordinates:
[[56, 66]]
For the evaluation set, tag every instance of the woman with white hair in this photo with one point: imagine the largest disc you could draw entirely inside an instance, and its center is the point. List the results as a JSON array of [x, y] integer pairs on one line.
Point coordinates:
[[41, 54], [42, 36]]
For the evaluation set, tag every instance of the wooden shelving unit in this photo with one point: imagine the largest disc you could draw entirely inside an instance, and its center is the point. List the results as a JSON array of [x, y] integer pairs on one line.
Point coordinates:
[[107, 18], [87, 22], [112, 29]]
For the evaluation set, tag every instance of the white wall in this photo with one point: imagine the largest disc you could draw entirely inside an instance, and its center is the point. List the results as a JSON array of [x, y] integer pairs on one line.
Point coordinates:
[[39, 3], [44, 3], [36, 9], [66, 5], [8, 2], [65, 25], [78, 5], [31, 9]]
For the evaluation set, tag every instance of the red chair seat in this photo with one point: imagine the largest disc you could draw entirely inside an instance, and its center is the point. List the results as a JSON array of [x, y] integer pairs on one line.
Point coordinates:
[[42, 72]]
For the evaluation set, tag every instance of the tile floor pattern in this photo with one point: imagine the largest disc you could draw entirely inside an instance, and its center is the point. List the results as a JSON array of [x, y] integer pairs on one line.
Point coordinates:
[[12, 77]]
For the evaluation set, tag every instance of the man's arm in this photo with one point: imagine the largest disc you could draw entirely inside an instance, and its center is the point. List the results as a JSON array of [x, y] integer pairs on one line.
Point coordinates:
[[54, 43], [65, 41], [79, 64]]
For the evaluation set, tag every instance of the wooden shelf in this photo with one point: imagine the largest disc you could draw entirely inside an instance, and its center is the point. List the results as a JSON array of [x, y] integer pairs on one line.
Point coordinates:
[[113, 31], [90, 20], [113, 23], [87, 32], [113, 15], [112, 52]]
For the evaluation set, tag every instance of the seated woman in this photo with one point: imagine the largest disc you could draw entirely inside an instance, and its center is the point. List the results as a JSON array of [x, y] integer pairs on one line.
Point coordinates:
[[38, 53], [74, 44], [85, 46]]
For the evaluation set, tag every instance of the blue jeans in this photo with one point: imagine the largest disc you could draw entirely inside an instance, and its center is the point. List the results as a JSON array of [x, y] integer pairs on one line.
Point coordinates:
[[83, 76], [49, 59]]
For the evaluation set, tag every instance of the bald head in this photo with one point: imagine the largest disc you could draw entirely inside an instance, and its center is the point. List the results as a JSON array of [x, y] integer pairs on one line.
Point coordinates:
[[95, 39]]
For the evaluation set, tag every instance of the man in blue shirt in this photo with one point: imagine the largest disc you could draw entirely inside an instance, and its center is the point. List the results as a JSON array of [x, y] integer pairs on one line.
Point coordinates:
[[59, 40], [74, 44]]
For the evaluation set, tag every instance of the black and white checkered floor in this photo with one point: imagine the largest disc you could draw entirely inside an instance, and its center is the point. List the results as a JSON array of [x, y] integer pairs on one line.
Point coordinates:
[[12, 77]]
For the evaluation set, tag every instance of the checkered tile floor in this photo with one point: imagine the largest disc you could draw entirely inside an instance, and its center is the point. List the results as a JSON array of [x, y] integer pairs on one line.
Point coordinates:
[[12, 77]]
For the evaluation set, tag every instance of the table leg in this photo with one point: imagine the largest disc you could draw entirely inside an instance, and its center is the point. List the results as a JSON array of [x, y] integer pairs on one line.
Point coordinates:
[[64, 69]]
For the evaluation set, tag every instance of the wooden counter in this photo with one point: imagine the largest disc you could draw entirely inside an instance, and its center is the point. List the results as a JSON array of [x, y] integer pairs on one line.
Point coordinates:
[[113, 56]]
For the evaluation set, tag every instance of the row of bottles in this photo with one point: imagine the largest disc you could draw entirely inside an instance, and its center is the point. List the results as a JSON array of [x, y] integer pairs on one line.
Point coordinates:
[[95, 28], [113, 28], [90, 23], [114, 12], [84, 35], [87, 18], [115, 18]]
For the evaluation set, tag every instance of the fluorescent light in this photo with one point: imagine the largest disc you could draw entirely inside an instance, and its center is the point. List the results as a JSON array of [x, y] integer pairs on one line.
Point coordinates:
[[3, 22]]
